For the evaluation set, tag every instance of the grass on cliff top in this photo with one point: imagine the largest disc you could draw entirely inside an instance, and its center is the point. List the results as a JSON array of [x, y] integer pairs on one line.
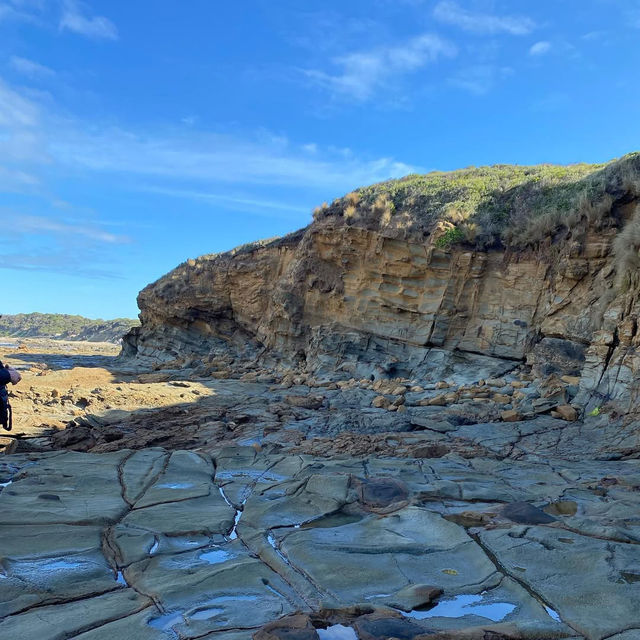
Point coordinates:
[[501, 205]]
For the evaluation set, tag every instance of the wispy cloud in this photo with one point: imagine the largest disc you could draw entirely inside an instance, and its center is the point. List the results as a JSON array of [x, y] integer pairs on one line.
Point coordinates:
[[85, 263], [22, 147], [540, 48], [450, 12], [178, 158], [19, 11], [16, 111], [41, 225], [258, 206], [596, 36], [74, 18], [217, 159], [480, 79], [16, 180], [363, 73], [31, 68], [79, 247]]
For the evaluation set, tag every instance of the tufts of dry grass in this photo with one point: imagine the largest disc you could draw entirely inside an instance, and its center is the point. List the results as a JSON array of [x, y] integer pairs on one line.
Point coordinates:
[[352, 198], [382, 209], [321, 211], [350, 212]]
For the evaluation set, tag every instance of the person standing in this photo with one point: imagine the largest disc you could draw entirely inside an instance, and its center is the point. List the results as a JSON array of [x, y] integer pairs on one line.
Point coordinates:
[[7, 375]]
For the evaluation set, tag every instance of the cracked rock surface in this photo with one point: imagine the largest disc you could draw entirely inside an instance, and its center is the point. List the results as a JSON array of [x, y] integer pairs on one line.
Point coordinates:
[[238, 544]]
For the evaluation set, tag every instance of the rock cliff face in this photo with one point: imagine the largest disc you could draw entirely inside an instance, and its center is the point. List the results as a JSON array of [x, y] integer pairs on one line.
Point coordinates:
[[361, 300]]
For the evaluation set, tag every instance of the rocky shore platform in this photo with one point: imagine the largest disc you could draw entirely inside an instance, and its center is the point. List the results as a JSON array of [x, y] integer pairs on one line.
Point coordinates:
[[240, 543]]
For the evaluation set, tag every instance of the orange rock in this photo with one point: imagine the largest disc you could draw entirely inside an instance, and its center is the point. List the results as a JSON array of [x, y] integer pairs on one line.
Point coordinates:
[[567, 412]]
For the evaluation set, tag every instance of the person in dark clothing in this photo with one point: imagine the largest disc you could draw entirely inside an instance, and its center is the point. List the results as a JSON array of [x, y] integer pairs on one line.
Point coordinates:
[[7, 375]]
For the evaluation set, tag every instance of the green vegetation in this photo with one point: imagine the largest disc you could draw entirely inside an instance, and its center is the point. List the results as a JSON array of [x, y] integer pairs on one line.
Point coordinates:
[[64, 327], [595, 412], [499, 206], [449, 237]]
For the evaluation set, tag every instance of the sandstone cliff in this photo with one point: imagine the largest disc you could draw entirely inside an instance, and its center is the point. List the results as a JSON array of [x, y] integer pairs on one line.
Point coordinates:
[[457, 282]]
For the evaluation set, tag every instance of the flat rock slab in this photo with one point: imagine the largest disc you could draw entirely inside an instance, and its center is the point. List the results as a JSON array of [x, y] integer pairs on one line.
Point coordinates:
[[153, 545]]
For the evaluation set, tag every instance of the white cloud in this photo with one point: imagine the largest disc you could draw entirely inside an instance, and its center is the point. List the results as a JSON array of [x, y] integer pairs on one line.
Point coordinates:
[[365, 72], [14, 11], [22, 145], [54, 244], [452, 13], [74, 19], [216, 159], [30, 68], [480, 79], [42, 225], [15, 110], [540, 48], [174, 157], [78, 260], [16, 180]]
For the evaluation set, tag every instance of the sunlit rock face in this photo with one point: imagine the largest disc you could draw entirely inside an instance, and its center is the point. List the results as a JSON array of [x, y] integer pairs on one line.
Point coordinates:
[[355, 301]]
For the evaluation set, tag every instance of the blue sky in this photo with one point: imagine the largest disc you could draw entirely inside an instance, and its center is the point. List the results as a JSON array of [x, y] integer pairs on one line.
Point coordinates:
[[135, 135]]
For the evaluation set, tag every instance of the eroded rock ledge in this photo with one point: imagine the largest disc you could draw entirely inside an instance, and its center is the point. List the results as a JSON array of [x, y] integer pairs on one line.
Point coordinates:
[[344, 301]]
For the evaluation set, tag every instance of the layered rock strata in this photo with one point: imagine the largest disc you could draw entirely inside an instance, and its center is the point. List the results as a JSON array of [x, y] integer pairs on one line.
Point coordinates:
[[351, 301]]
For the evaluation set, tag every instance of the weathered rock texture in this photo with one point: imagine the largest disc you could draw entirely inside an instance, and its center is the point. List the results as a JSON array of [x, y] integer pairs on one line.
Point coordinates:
[[158, 545], [368, 302]]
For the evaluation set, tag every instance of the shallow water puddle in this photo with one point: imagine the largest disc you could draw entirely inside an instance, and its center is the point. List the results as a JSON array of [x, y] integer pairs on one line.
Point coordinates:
[[465, 605], [205, 613], [252, 474], [274, 543], [167, 621], [62, 362], [271, 589], [233, 534], [194, 559], [553, 614], [215, 556], [54, 565], [176, 485], [337, 632]]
